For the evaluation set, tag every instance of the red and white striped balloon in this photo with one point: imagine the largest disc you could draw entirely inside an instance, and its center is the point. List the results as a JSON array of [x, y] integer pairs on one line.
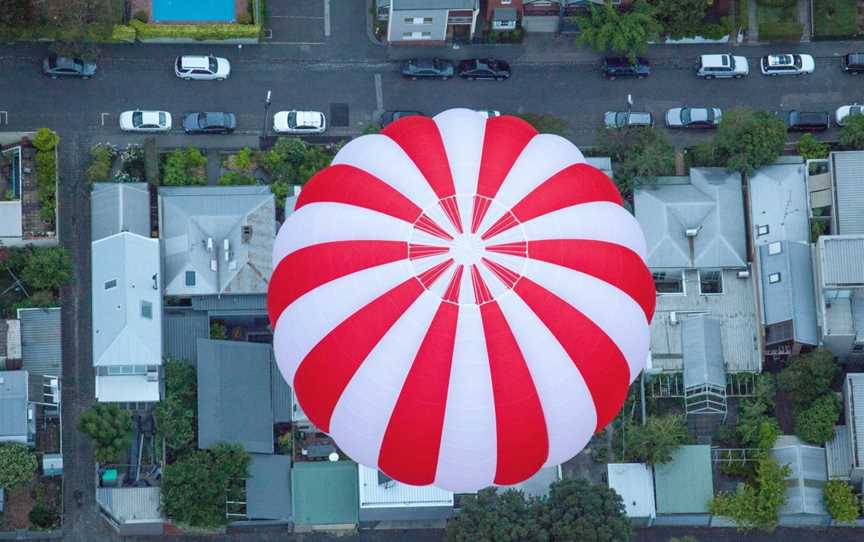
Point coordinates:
[[460, 301]]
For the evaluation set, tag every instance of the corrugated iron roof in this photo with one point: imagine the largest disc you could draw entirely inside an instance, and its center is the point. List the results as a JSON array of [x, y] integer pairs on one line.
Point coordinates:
[[181, 331], [268, 488], [792, 297], [685, 484], [41, 350], [249, 302], [703, 352], [848, 170], [129, 504], [808, 473], [324, 493], [281, 393], [855, 415], [393, 494], [840, 258], [118, 207], [13, 405], [778, 200], [838, 453]]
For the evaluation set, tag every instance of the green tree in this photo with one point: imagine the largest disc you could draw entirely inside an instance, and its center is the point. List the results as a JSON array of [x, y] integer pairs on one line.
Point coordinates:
[[17, 464], [655, 441], [609, 29], [110, 429], [315, 159], [18, 13], [45, 139], [681, 18], [756, 428], [808, 376], [852, 134], [748, 140], [546, 123], [101, 160], [815, 423], [281, 190], [840, 501], [639, 156], [194, 488], [755, 506], [494, 516], [370, 128], [185, 167], [232, 178], [47, 268], [176, 414], [579, 510], [78, 23], [811, 148]]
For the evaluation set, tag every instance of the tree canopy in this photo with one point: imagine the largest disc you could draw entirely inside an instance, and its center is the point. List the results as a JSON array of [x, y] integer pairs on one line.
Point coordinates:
[[755, 506], [811, 148], [17, 464], [815, 423], [681, 18], [852, 134], [748, 140], [808, 376], [654, 442], [110, 429], [608, 29], [840, 501], [639, 156], [47, 268], [756, 427]]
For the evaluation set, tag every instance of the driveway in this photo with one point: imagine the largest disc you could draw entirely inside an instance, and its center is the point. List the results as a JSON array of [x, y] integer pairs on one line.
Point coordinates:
[[300, 22]]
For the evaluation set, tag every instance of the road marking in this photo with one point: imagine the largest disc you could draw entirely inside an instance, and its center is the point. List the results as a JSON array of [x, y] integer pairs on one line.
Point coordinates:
[[326, 18], [4, 117], [268, 34], [102, 117], [379, 92]]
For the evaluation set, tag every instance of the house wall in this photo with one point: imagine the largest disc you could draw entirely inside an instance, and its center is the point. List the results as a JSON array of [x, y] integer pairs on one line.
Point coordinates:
[[437, 28], [700, 520], [492, 5]]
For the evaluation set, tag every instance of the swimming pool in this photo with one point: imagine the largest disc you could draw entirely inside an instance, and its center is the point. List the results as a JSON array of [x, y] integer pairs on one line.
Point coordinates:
[[199, 11]]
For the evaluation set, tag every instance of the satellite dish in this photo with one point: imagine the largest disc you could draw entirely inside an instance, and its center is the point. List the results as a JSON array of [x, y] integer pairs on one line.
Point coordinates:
[[334, 457]]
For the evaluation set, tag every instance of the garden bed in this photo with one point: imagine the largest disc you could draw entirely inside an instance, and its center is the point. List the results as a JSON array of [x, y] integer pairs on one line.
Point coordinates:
[[835, 19], [778, 20]]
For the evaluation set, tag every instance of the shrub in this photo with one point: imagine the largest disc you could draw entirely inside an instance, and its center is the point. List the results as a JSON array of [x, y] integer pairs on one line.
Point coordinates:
[[184, 167], [808, 376], [101, 160], [218, 331], [151, 161], [781, 30], [655, 441], [815, 424], [232, 178], [141, 15], [747, 139], [37, 299], [122, 33], [811, 148], [17, 464], [47, 268], [46, 184], [110, 429], [840, 501], [195, 31], [704, 155], [243, 161], [315, 159], [852, 134], [281, 190], [45, 139], [44, 517], [547, 124], [244, 18], [755, 505]]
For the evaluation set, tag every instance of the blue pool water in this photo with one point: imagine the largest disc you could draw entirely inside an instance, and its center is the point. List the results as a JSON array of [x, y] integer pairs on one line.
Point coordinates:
[[222, 11]]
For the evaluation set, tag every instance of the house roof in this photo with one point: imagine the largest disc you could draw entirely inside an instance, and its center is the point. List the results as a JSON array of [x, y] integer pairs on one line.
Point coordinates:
[[377, 490], [685, 484], [196, 224], [41, 350], [538, 484], [125, 282], [808, 473], [840, 258], [838, 453], [702, 350], [404, 5], [634, 482], [778, 199], [281, 393], [182, 330], [268, 488], [118, 207], [854, 392], [13, 405], [234, 403], [10, 340], [848, 171], [792, 298], [708, 203], [228, 303], [324, 493], [130, 504], [10, 219]]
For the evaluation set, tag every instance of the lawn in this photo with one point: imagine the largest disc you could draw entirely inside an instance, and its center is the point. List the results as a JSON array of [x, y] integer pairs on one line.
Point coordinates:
[[778, 23], [835, 18]]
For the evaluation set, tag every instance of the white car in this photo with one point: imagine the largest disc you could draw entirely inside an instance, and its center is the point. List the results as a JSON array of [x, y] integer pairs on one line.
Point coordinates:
[[847, 111], [693, 117], [787, 64], [489, 113], [202, 68], [722, 66], [299, 122], [145, 121]]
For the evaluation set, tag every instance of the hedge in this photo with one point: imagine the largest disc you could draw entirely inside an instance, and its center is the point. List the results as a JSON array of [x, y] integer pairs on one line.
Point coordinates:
[[196, 31], [777, 30], [46, 184], [777, 4], [123, 33]]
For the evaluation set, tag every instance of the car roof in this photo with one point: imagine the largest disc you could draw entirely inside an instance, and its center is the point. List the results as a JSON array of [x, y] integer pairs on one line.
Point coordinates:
[[150, 117], [640, 118], [309, 118], [715, 61], [855, 58], [195, 62], [781, 60]]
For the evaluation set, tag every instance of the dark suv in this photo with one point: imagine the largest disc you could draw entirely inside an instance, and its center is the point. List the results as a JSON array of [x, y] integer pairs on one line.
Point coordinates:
[[805, 121], [622, 67], [484, 68], [428, 68], [853, 63]]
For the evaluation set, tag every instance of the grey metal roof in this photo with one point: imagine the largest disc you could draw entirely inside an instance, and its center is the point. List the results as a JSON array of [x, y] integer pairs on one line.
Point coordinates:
[[840, 258], [809, 473], [838, 453], [710, 201], [13, 406], [117, 207], [249, 302], [848, 170], [281, 393], [192, 218], [133, 504], [538, 484], [703, 352], [181, 330], [435, 4], [778, 199], [268, 488], [603, 163], [793, 297], [854, 391], [41, 350], [234, 403]]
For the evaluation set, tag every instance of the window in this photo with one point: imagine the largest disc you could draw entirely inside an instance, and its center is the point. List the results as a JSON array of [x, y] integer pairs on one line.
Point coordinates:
[[762, 230], [504, 25], [416, 35], [711, 282], [858, 348], [774, 248], [669, 282], [418, 20], [773, 278], [147, 310], [190, 278], [110, 284]]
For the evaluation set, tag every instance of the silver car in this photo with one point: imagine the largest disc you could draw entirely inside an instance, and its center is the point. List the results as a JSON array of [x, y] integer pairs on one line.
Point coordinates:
[[202, 68], [620, 119], [145, 121], [693, 117]]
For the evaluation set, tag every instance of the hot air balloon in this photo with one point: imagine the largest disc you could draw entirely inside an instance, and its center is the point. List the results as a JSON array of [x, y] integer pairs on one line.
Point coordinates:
[[460, 301]]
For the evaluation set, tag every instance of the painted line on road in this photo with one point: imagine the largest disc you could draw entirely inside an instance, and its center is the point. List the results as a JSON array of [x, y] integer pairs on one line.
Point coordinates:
[[326, 18], [102, 117], [379, 92], [268, 34], [4, 117]]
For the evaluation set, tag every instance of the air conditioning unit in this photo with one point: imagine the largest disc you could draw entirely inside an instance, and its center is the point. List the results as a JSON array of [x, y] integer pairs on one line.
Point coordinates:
[[743, 274], [152, 376], [673, 318]]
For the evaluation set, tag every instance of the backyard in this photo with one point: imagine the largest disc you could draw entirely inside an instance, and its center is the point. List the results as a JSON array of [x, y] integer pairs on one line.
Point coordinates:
[[778, 20], [834, 19]]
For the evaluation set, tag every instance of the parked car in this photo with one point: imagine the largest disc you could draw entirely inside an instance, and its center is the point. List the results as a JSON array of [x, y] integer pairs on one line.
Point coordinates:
[[484, 68], [804, 121], [392, 116], [145, 121], [853, 63], [202, 68], [614, 67], [787, 64], [620, 119], [428, 68], [847, 111], [299, 122], [722, 66], [61, 66], [209, 123], [693, 117], [489, 113]]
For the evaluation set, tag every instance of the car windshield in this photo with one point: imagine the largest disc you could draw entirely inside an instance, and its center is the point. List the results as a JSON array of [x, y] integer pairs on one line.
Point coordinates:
[[163, 119], [137, 118], [202, 120], [52, 62], [798, 61], [292, 119], [685, 115], [214, 65]]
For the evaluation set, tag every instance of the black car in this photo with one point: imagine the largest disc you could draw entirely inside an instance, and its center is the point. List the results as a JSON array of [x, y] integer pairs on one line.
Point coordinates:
[[484, 68], [428, 68], [853, 63], [622, 67], [392, 116], [805, 121], [60, 66], [209, 123]]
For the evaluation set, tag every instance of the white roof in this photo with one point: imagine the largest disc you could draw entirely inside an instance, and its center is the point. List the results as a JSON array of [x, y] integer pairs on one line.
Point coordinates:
[[121, 334], [195, 62], [393, 494], [10, 219], [635, 483], [112, 389], [713, 61]]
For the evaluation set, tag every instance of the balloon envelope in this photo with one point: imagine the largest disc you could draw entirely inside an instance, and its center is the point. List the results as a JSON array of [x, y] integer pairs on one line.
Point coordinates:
[[460, 301]]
